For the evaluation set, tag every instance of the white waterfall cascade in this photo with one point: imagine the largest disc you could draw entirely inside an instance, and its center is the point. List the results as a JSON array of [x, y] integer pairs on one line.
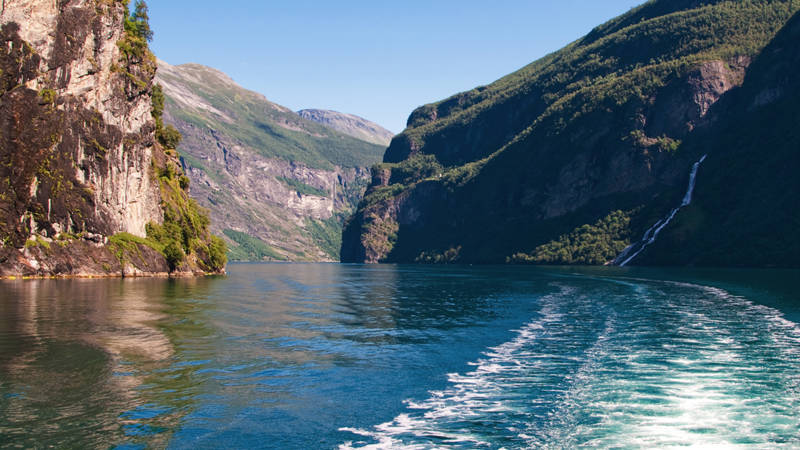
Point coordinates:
[[651, 234]]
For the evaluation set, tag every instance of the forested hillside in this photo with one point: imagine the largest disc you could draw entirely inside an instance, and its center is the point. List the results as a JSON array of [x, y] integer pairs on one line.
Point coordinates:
[[572, 157]]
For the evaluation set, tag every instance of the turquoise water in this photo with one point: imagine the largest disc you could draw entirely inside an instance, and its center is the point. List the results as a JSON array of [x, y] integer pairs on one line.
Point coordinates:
[[348, 356]]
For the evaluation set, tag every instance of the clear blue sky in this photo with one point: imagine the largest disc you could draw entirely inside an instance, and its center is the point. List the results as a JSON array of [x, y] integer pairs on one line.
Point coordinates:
[[373, 58]]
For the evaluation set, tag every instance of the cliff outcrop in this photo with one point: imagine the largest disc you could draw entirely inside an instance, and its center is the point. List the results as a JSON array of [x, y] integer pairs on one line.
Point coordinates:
[[87, 188]]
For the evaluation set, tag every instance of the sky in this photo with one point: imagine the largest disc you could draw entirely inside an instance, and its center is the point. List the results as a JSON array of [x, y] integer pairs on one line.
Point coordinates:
[[373, 58]]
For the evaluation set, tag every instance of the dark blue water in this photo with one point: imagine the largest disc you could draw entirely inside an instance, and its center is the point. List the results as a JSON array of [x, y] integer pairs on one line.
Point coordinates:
[[329, 356]]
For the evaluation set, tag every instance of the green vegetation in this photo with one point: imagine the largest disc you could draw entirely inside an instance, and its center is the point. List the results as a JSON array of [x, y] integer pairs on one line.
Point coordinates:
[[249, 248], [37, 241], [185, 228], [129, 242], [168, 136], [66, 236], [416, 168], [184, 182], [138, 23], [137, 32], [48, 96], [594, 128], [744, 211], [166, 241], [174, 254], [217, 253], [588, 244], [250, 128], [449, 256], [626, 59], [184, 232], [327, 234], [273, 131], [381, 194], [301, 187], [124, 245]]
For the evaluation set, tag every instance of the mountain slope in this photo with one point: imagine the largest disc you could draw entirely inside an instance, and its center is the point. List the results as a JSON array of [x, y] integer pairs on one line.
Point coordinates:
[[351, 125], [587, 138], [745, 211], [278, 186], [90, 184]]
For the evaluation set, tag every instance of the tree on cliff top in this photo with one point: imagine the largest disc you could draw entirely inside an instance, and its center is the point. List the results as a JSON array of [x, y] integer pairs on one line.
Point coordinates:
[[138, 23]]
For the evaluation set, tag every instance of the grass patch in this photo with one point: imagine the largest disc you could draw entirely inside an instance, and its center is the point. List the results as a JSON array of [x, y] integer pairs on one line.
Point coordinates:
[[123, 245], [256, 121], [301, 187], [250, 248], [327, 235], [37, 241]]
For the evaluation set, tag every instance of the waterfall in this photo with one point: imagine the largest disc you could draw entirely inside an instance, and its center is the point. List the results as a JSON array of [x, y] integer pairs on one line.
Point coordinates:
[[651, 234], [687, 199]]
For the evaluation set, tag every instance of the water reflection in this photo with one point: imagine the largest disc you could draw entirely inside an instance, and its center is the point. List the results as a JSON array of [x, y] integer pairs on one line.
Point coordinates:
[[78, 358], [273, 355], [101, 363]]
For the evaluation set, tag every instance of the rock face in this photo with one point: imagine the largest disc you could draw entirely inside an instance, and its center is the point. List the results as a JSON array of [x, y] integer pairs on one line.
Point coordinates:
[[77, 141], [278, 186], [350, 125], [589, 138], [745, 210]]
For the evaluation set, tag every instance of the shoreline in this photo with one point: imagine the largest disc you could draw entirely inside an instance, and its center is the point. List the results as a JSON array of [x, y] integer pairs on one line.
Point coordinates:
[[162, 275]]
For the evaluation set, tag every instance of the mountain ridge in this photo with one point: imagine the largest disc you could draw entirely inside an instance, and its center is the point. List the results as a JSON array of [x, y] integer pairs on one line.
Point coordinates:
[[278, 185], [562, 143], [350, 124]]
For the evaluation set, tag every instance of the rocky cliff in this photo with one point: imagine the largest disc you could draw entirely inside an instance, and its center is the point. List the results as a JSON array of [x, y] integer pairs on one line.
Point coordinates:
[[278, 185], [84, 177], [349, 124], [574, 156], [745, 208]]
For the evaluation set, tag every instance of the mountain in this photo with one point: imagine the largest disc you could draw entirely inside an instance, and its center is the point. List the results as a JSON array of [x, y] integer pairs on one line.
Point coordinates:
[[91, 184], [745, 209], [571, 159], [278, 186], [350, 125]]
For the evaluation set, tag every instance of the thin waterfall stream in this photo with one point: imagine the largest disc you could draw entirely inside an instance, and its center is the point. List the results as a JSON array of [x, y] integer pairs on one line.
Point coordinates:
[[651, 234]]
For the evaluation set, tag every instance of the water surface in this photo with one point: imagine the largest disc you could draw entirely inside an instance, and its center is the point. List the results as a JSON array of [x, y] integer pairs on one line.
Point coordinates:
[[340, 356]]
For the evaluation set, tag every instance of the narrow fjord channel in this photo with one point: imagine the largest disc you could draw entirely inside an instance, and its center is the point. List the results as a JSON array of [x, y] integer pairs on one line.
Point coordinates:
[[349, 356]]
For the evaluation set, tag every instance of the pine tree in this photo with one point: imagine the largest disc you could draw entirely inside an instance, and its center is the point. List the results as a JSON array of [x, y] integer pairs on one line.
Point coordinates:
[[142, 20]]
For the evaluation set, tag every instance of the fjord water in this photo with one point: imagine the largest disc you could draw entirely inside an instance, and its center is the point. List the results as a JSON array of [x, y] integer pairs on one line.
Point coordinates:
[[327, 356]]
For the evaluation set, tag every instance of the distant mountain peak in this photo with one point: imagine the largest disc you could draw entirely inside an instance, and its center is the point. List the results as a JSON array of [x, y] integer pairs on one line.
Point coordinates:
[[349, 124], [277, 185], [198, 70]]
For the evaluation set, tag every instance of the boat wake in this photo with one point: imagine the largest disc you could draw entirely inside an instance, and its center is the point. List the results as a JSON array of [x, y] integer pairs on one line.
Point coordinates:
[[637, 363]]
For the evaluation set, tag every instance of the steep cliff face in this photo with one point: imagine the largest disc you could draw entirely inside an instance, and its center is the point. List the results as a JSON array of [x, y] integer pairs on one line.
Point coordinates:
[[278, 185], [587, 138], [349, 124], [745, 208], [78, 142]]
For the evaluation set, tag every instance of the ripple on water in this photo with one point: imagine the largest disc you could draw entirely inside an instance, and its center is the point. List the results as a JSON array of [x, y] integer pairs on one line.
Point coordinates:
[[640, 363]]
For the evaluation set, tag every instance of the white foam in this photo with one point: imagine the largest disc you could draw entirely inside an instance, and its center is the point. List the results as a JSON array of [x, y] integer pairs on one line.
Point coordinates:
[[473, 394], [693, 375]]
